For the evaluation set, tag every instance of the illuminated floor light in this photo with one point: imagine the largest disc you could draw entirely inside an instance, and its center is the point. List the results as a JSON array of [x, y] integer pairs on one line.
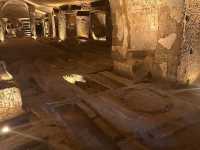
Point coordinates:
[[5, 130], [34, 37], [73, 78], [98, 38]]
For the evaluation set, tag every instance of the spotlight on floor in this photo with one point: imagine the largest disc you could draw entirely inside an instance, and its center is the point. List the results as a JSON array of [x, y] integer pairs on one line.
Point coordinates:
[[5, 130], [73, 78], [34, 37]]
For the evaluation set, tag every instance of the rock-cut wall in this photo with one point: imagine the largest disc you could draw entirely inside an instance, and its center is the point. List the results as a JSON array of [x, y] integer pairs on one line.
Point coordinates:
[[147, 37], [189, 69]]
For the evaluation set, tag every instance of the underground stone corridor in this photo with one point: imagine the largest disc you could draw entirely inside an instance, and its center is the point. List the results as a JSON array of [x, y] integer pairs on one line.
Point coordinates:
[[99, 75]]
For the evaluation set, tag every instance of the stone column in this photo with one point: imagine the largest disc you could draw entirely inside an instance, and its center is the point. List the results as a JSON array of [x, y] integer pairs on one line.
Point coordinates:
[[32, 20], [2, 31], [189, 71], [50, 27], [42, 20], [53, 25], [120, 37], [108, 26], [169, 38], [62, 25]]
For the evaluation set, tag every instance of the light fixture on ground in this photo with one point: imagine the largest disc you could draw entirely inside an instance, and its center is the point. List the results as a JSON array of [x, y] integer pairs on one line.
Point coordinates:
[[34, 37], [5, 130], [73, 78]]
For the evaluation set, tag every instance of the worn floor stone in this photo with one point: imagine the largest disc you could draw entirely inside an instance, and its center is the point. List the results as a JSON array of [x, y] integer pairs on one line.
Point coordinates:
[[124, 114]]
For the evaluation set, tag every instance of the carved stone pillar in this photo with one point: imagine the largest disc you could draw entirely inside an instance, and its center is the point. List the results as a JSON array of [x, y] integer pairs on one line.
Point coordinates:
[[53, 25], [32, 20], [61, 25], [189, 71], [2, 31]]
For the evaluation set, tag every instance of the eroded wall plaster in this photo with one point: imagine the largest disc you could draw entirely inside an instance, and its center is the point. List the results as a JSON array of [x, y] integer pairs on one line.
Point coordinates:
[[189, 68], [147, 33]]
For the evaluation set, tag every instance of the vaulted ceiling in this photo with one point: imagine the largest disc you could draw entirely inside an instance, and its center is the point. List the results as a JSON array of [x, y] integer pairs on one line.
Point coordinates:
[[51, 3], [44, 5], [14, 8], [58, 2]]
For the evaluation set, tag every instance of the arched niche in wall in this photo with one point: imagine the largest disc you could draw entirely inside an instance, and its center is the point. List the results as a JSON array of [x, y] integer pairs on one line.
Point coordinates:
[[98, 24], [83, 24]]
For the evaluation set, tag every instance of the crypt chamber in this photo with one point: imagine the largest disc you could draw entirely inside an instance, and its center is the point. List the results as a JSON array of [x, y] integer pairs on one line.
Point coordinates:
[[99, 74]]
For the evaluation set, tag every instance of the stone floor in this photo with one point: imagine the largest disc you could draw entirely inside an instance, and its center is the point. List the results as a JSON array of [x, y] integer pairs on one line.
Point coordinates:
[[103, 112]]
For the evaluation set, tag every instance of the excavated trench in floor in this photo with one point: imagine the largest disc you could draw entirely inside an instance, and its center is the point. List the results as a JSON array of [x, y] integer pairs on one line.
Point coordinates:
[[105, 111], [31, 78]]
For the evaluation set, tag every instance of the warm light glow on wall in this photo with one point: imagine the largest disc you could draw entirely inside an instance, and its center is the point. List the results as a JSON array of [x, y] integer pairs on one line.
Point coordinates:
[[153, 20], [82, 26], [40, 12], [194, 76]]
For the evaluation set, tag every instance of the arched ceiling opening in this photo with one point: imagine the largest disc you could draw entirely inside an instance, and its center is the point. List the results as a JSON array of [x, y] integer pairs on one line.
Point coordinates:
[[14, 9], [44, 5], [20, 9]]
